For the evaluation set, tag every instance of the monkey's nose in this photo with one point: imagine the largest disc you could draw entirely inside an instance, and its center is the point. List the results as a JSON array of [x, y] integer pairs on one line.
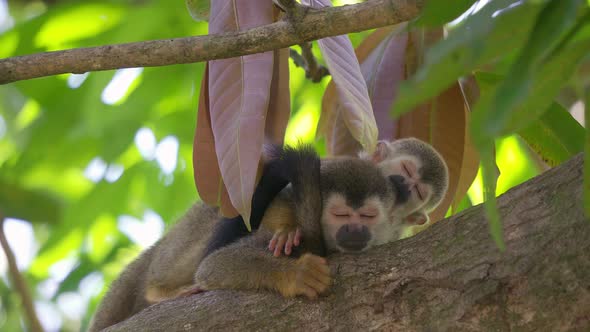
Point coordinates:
[[353, 237], [350, 228]]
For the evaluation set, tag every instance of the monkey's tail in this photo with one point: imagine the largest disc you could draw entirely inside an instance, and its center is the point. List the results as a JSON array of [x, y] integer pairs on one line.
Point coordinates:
[[301, 166]]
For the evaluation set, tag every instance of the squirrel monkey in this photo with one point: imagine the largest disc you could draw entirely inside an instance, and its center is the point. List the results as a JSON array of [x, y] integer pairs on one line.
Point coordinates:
[[319, 200], [416, 172], [167, 269]]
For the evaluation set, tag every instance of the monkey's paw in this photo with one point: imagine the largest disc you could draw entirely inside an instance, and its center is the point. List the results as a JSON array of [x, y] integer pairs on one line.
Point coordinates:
[[284, 240], [310, 277]]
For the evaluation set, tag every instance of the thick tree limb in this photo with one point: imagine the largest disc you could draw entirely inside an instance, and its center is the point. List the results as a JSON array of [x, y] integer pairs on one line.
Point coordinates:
[[449, 277], [314, 24]]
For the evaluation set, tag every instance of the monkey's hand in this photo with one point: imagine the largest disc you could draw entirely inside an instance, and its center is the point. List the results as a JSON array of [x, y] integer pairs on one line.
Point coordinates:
[[310, 276], [284, 240]]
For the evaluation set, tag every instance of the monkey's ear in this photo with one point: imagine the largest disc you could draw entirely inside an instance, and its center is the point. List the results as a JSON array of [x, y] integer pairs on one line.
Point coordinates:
[[380, 153], [416, 218]]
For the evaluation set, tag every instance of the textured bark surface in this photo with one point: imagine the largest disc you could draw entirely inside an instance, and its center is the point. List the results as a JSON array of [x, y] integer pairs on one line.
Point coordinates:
[[449, 277]]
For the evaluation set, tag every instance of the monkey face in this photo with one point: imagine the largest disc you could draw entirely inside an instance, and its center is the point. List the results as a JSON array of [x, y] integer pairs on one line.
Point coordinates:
[[351, 229], [404, 176], [417, 172]]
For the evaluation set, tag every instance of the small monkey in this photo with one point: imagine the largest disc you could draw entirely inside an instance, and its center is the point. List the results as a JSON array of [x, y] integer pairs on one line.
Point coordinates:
[[167, 269], [416, 172], [345, 206]]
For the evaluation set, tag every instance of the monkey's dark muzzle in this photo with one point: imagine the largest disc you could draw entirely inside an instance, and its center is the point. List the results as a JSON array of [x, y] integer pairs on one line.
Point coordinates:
[[400, 188], [353, 237]]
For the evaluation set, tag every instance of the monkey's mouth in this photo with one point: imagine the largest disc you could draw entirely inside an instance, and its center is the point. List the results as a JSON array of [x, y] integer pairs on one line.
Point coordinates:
[[352, 246]]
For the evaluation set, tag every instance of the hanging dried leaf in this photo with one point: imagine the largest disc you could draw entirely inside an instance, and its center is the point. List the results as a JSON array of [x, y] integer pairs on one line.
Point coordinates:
[[350, 85], [339, 140], [239, 90], [206, 168]]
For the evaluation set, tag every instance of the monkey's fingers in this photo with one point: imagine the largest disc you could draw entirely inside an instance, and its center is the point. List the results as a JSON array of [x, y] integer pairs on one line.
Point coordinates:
[[280, 245], [313, 272], [308, 291], [289, 243], [297, 238], [318, 286], [272, 244], [321, 273]]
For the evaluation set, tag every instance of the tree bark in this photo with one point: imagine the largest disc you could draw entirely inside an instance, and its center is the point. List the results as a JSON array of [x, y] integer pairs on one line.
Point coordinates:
[[449, 277]]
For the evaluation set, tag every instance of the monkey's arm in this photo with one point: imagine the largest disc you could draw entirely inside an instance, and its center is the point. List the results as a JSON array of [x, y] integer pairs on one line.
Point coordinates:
[[280, 220], [247, 265]]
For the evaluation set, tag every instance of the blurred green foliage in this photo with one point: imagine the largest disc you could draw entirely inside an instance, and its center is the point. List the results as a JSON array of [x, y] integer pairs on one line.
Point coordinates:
[[53, 128]]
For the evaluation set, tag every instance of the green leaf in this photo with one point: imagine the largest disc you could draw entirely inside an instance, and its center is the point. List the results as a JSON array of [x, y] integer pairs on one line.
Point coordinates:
[[27, 204], [437, 13], [492, 120], [553, 23], [490, 178], [556, 136], [497, 30]]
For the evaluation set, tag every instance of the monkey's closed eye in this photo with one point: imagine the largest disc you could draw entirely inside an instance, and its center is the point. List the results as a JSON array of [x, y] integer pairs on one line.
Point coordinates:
[[406, 169], [420, 195], [341, 215]]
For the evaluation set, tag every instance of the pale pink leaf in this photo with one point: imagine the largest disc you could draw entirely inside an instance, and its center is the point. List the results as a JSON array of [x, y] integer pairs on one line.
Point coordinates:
[[350, 84], [382, 60], [384, 69], [239, 97], [339, 140]]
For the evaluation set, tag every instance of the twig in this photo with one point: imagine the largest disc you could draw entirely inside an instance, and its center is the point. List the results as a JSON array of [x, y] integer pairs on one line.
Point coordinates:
[[19, 282], [314, 24], [307, 61]]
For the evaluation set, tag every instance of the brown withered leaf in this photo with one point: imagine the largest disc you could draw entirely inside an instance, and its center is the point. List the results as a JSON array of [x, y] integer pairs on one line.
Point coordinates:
[[239, 90], [350, 85], [206, 168]]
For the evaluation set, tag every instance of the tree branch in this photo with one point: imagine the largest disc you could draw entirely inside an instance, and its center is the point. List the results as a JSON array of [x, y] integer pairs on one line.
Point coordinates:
[[19, 282], [307, 61], [449, 277], [314, 24]]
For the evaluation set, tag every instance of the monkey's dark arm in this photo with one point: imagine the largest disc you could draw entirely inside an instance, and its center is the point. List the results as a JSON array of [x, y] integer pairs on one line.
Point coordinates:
[[229, 230], [301, 166]]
